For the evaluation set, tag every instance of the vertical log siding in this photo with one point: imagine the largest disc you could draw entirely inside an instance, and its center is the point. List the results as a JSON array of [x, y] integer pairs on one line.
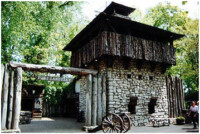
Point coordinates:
[[175, 95], [114, 44]]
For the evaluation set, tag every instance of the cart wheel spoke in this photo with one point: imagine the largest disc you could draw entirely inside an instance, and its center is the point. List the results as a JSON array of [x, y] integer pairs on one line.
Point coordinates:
[[118, 130], [108, 129], [105, 123], [108, 122]]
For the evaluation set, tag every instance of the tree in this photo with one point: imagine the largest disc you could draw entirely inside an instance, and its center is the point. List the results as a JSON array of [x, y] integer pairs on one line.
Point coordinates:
[[36, 32], [171, 18]]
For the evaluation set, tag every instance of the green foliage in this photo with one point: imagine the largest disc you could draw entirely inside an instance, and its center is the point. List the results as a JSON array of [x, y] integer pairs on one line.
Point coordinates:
[[171, 18], [55, 93], [180, 118], [36, 32]]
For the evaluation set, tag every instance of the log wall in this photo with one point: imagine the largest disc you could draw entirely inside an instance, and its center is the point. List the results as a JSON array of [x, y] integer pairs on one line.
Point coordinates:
[[175, 94], [11, 94], [114, 44]]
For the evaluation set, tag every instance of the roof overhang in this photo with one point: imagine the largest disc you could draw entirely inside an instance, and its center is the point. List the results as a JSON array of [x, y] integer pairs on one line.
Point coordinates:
[[121, 26]]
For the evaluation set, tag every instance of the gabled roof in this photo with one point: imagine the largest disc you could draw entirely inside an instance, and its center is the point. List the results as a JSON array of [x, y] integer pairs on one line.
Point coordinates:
[[107, 22]]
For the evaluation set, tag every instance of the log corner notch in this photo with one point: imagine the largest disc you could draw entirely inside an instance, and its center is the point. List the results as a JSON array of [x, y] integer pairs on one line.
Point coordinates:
[[53, 69]]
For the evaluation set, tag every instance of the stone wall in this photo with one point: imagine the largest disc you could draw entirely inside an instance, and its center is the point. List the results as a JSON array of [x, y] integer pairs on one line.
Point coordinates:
[[124, 83]]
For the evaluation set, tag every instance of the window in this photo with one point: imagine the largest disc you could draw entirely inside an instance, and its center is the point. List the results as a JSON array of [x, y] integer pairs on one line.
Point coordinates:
[[132, 105], [152, 104], [129, 76], [150, 77], [139, 77]]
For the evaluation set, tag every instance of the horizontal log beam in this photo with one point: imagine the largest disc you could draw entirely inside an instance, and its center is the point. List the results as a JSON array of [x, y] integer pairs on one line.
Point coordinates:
[[53, 69]]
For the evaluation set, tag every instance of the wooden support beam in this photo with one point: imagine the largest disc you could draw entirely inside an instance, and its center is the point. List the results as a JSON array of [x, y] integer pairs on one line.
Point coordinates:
[[104, 95], [2, 78], [10, 107], [17, 100], [53, 69], [88, 101], [5, 99], [2, 74], [99, 100], [183, 95], [94, 101]]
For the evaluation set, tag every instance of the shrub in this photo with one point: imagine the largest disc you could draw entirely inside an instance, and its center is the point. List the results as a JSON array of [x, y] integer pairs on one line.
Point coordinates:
[[180, 118]]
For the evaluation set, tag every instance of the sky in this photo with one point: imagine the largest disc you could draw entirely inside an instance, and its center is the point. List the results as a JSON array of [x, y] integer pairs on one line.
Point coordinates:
[[92, 8]]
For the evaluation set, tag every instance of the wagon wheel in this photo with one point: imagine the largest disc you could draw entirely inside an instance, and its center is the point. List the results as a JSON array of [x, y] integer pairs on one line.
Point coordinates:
[[126, 123], [112, 124]]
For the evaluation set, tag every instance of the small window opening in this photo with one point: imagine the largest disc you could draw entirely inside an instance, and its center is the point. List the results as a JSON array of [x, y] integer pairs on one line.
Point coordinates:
[[150, 77], [152, 104], [129, 76], [132, 105], [139, 77]]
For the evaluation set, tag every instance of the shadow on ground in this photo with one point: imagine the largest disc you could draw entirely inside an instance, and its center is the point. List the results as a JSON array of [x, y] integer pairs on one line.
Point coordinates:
[[52, 125]]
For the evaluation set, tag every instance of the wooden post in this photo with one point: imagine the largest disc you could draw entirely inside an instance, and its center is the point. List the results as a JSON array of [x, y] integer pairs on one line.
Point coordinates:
[[171, 97], [104, 96], [88, 100], [5, 99], [10, 108], [99, 100], [183, 95], [168, 94], [17, 100], [2, 78], [94, 101], [2, 74]]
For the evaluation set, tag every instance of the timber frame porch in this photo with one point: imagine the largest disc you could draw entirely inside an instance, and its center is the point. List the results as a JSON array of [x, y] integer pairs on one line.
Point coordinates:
[[11, 91]]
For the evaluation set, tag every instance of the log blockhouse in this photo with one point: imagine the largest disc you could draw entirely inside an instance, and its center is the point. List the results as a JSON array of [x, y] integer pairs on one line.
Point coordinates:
[[131, 59]]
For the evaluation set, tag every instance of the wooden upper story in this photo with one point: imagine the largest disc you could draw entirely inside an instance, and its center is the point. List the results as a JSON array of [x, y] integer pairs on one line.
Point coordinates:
[[112, 33]]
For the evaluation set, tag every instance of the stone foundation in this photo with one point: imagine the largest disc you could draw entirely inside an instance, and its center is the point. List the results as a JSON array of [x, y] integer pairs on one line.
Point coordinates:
[[125, 83]]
